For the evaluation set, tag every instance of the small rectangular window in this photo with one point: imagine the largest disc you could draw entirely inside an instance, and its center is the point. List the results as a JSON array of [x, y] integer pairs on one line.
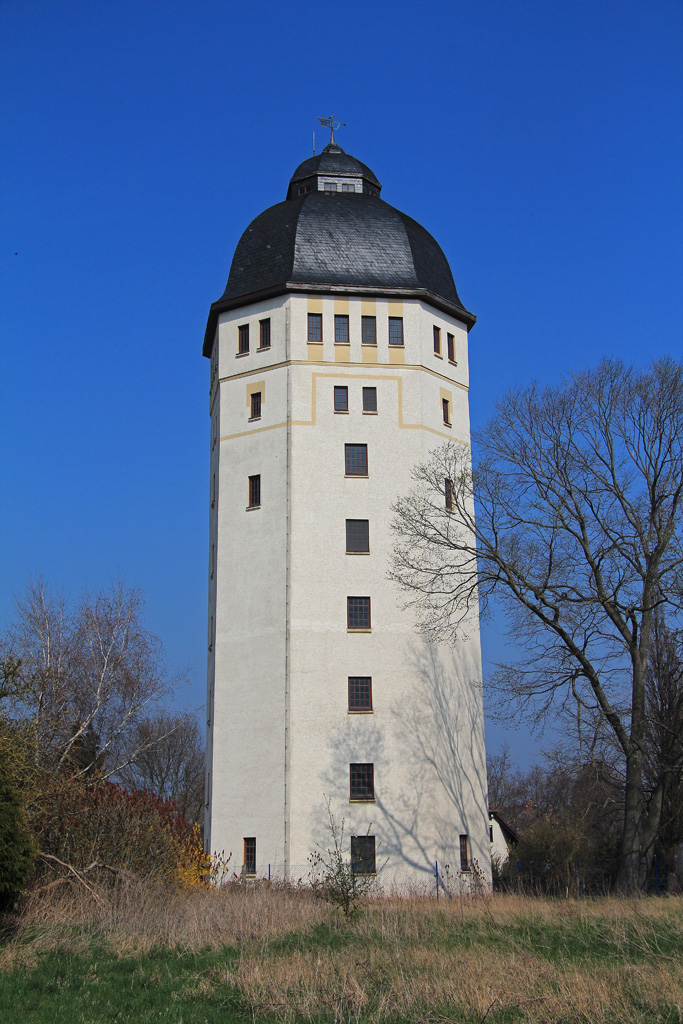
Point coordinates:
[[437, 340], [358, 612], [212, 562], [356, 458], [363, 855], [450, 338], [341, 399], [362, 783], [254, 491], [341, 329], [395, 330], [490, 833], [256, 405], [369, 399], [243, 344], [448, 494], [360, 693], [330, 186], [464, 853], [315, 327], [348, 188], [213, 490], [250, 855], [357, 535], [264, 333], [445, 404], [368, 327]]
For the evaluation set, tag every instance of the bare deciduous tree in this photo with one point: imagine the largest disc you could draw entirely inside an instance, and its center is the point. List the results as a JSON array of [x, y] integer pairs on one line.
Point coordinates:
[[85, 676], [578, 535], [168, 760], [506, 784]]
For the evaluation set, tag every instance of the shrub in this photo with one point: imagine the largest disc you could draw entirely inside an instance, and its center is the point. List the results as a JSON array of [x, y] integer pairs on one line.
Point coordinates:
[[332, 874], [16, 846], [124, 829], [193, 866]]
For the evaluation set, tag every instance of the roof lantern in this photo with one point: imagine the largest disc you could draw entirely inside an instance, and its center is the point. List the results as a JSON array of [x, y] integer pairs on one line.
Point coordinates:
[[333, 170]]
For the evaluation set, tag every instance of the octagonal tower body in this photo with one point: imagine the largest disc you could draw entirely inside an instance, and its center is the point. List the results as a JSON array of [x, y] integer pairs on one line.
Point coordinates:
[[338, 363]]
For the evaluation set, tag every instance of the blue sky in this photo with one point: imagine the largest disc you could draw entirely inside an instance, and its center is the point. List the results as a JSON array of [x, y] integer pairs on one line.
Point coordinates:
[[540, 142]]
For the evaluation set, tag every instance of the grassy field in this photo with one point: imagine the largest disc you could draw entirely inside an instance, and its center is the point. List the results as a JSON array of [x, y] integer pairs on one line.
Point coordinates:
[[146, 954]]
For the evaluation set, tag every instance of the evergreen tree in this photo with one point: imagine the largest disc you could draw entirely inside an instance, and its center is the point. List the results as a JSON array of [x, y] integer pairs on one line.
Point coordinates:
[[16, 846]]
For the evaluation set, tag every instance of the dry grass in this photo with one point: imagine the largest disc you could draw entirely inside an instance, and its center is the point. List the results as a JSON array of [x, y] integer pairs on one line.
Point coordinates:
[[144, 913], [486, 959], [418, 982]]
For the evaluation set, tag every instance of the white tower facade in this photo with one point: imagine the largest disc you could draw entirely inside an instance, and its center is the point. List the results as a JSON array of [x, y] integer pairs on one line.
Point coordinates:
[[338, 362]]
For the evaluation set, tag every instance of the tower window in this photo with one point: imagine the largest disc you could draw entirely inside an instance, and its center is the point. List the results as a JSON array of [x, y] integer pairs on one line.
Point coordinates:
[[369, 399], [356, 456], [450, 339], [465, 853], [446, 406], [243, 339], [341, 399], [304, 189], [254, 491], [250, 855], [368, 327], [357, 536], [362, 783], [437, 340], [213, 490], [348, 188], [330, 186], [264, 333], [448, 494], [395, 330], [360, 693], [341, 330], [256, 405], [358, 612], [315, 327], [363, 855]]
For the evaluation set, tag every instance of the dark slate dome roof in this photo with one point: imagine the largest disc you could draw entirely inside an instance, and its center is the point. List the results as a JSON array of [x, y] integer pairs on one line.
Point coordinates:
[[349, 242]]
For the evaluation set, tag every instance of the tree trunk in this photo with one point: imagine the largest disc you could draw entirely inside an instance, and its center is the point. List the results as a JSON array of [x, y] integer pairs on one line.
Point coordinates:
[[650, 830], [628, 877], [629, 855]]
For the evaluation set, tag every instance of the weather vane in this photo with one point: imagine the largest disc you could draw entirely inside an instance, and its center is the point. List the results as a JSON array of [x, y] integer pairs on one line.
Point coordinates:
[[329, 122]]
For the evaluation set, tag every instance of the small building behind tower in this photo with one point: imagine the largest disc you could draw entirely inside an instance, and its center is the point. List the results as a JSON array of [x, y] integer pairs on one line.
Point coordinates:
[[339, 361]]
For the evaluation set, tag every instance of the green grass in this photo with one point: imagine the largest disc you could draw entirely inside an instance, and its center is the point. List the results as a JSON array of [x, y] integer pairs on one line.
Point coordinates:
[[163, 986]]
